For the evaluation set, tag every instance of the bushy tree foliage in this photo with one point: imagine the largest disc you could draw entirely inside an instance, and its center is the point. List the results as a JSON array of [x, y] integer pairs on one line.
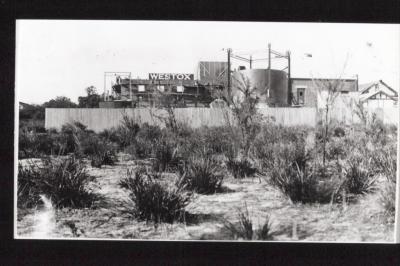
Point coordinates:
[[60, 102]]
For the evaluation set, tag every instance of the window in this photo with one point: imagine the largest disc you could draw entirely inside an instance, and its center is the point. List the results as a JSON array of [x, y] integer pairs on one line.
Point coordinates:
[[344, 92], [141, 88], [179, 88], [160, 88], [300, 95]]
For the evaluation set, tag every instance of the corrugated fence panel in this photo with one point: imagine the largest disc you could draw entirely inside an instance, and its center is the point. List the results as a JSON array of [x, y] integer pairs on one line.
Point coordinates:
[[99, 119]]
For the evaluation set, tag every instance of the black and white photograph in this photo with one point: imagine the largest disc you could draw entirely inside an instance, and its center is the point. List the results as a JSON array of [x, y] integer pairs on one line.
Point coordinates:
[[206, 131]]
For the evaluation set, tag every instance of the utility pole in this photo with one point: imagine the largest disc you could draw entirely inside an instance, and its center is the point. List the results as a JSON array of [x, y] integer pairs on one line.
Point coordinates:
[[251, 60], [289, 80], [269, 69], [269, 56], [229, 74], [104, 95]]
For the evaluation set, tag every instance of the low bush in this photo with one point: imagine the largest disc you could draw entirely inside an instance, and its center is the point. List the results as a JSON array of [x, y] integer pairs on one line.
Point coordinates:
[[217, 139], [127, 131], [203, 174], [63, 181], [265, 232], [268, 143], [244, 228], [385, 163], [71, 133], [35, 145], [359, 178], [336, 149], [154, 199], [388, 199], [166, 153], [240, 167], [299, 178]]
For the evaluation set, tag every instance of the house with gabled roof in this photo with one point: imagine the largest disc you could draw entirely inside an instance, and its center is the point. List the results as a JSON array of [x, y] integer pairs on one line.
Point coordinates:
[[377, 94]]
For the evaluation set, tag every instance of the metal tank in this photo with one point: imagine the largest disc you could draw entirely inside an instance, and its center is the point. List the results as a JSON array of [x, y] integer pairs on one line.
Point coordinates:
[[276, 96]]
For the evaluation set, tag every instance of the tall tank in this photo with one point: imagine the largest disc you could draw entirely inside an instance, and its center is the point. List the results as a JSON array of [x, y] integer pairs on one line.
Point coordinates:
[[276, 96]]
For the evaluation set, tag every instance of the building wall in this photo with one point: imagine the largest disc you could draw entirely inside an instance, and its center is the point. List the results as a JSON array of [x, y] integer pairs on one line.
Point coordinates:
[[312, 90]]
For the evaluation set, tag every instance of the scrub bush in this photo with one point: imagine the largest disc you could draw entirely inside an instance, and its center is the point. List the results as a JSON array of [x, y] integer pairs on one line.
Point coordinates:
[[299, 178], [63, 181], [166, 153], [203, 174], [359, 178], [240, 168], [154, 199], [244, 228], [385, 163]]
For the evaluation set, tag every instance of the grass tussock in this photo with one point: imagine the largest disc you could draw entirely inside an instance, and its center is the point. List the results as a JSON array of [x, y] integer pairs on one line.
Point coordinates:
[[203, 174], [155, 200], [244, 228], [64, 181]]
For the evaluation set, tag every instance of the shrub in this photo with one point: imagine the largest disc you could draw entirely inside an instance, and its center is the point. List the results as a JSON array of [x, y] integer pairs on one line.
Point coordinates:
[[336, 149], [217, 139], [388, 199], [32, 144], [268, 142], [244, 228], [102, 153], [146, 140], [299, 179], [203, 174], [339, 131], [155, 200], [240, 167], [64, 182], [126, 132], [385, 163], [110, 135], [264, 233], [70, 134], [166, 154], [359, 178]]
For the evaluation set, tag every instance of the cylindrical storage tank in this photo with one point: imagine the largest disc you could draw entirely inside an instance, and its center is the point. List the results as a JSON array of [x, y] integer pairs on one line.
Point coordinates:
[[276, 96]]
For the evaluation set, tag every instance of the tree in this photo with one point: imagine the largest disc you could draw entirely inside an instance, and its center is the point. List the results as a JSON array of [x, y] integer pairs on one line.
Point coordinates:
[[329, 89], [91, 100], [60, 102], [244, 107]]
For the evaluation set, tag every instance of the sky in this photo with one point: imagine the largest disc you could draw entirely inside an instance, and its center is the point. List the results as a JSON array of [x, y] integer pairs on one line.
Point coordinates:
[[63, 57]]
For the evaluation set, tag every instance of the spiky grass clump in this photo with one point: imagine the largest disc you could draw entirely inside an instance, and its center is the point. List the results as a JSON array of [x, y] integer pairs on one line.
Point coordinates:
[[155, 200], [385, 161], [64, 182], [297, 177], [203, 174], [166, 154], [359, 178], [240, 168], [244, 230]]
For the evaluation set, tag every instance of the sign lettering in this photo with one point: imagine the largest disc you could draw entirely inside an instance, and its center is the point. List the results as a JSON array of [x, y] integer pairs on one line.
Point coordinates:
[[171, 76]]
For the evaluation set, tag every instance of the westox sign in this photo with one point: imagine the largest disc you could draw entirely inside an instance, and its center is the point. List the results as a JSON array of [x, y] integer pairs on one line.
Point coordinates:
[[171, 76]]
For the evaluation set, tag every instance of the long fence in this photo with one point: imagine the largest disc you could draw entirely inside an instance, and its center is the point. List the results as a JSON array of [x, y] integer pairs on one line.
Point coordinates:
[[98, 119]]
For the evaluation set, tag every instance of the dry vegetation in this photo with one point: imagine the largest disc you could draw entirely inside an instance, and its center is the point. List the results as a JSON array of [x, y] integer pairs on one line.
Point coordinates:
[[268, 182]]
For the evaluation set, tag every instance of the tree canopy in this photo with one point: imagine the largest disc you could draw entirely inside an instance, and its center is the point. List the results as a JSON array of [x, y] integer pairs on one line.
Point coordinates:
[[91, 100], [60, 102]]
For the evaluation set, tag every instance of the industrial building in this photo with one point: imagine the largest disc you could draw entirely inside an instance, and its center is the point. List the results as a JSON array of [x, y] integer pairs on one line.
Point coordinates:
[[304, 91], [183, 89], [216, 81]]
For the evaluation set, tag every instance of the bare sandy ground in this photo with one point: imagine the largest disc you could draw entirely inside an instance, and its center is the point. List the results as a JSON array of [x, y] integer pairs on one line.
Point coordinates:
[[362, 221]]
